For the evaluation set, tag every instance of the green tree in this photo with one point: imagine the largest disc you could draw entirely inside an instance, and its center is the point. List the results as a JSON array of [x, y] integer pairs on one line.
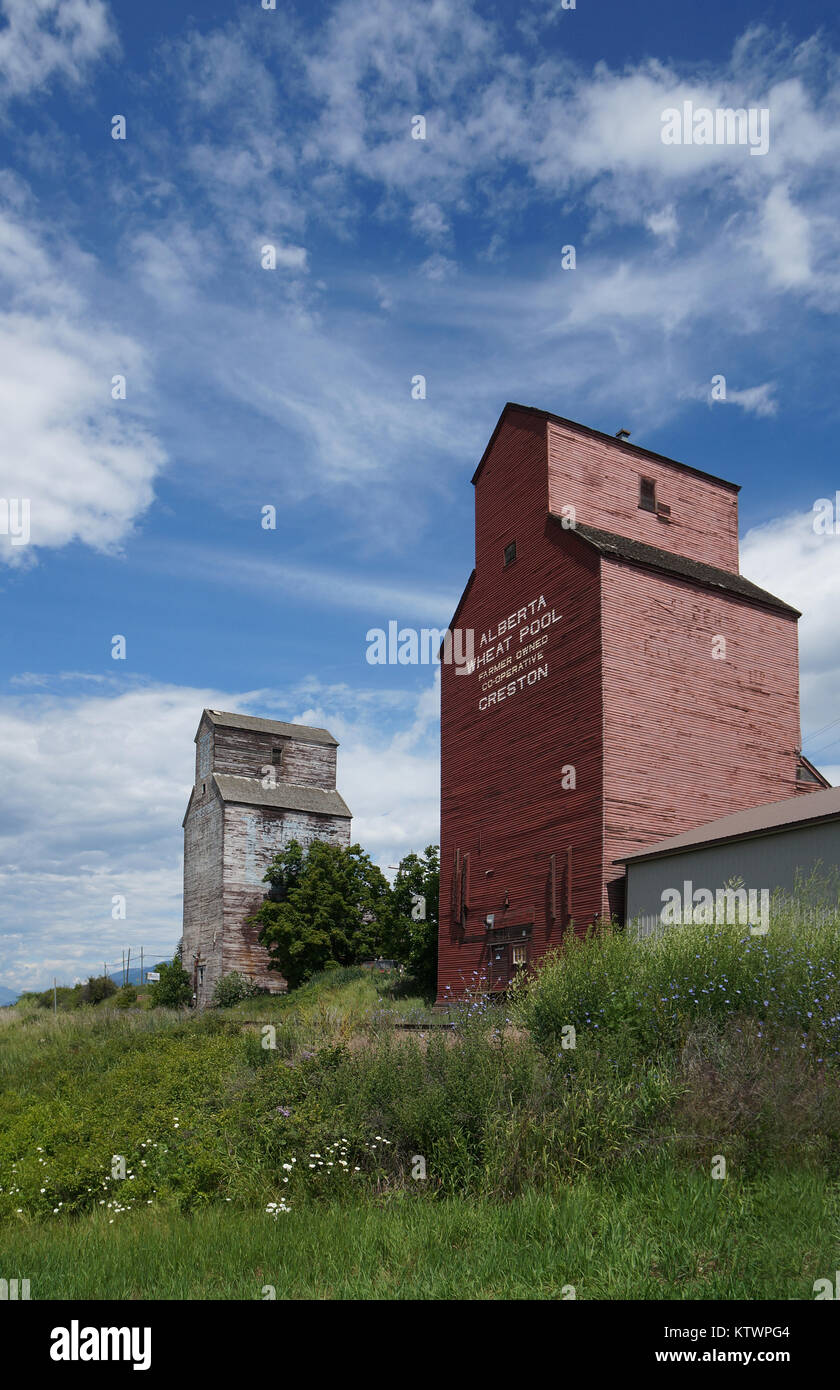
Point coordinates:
[[98, 987], [414, 942], [174, 986], [328, 905]]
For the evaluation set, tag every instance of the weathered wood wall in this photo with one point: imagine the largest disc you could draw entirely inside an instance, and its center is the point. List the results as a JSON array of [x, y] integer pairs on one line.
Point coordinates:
[[502, 800], [203, 856], [661, 736], [228, 845], [253, 835], [688, 737], [600, 479]]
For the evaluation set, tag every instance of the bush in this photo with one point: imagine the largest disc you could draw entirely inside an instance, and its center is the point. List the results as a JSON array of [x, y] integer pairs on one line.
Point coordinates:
[[98, 987], [233, 987], [174, 988], [126, 996], [327, 905]]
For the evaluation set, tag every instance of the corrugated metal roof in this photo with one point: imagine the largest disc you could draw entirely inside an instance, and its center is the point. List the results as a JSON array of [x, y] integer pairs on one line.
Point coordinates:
[[638, 553], [286, 796], [302, 733], [801, 809]]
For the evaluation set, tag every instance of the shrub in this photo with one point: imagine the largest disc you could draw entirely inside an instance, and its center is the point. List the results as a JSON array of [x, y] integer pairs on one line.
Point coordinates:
[[233, 987], [126, 996], [329, 904], [173, 989], [98, 987]]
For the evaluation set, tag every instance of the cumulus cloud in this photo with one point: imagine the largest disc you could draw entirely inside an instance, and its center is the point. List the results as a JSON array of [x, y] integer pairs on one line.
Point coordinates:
[[84, 461], [790, 557]]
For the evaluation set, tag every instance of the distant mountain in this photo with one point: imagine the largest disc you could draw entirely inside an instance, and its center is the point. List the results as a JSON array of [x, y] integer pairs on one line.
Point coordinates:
[[8, 996]]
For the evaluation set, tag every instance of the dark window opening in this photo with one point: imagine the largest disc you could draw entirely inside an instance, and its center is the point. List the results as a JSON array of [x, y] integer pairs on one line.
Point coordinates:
[[277, 756], [510, 552], [647, 494]]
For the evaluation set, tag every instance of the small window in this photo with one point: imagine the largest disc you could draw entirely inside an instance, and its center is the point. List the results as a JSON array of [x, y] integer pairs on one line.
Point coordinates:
[[510, 553], [277, 756], [647, 494], [519, 955]]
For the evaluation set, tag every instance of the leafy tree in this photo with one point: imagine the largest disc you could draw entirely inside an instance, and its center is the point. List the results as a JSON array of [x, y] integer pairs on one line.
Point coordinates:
[[415, 942], [174, 986], [98, 987], [328, 905]]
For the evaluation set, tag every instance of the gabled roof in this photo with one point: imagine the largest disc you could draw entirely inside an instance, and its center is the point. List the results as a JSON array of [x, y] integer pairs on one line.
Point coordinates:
[[616, 547], [815, 772], [301, 733], [285, 796], [758, 820], [598, 434]]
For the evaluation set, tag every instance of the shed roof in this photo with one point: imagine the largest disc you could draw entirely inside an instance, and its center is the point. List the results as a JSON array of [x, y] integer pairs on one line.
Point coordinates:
[[803, 809], [638, 553], [301, 733], [285, 796]]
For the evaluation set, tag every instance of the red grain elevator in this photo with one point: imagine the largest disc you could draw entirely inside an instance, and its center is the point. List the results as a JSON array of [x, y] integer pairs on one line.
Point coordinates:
[[626, 684]]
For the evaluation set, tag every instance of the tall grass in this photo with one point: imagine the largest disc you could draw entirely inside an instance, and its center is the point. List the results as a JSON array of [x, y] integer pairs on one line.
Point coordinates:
[[649, 1234]]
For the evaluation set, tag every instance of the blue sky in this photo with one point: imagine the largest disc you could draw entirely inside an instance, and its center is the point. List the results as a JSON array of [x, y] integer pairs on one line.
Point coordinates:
[[291, 387]]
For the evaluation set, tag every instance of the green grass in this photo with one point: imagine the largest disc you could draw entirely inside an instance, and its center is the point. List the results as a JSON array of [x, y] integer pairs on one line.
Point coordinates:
[[645, 1235], [546, 1165]]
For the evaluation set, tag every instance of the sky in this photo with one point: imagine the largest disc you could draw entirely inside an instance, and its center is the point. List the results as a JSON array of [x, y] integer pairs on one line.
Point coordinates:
[[248, 385]]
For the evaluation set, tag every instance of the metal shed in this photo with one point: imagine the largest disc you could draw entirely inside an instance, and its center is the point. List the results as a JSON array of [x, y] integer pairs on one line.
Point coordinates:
[[770, 849]]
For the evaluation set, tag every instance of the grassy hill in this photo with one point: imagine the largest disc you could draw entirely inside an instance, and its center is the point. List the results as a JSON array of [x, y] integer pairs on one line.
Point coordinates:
[[568, 1139]]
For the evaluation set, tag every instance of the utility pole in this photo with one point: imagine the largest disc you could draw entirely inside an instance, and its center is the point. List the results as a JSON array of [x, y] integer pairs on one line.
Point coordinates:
[[55, 995], [123, 966], [141, 965], [128, 967]]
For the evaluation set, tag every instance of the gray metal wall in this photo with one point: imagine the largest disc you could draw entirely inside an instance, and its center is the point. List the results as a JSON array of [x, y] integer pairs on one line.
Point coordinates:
[[765, 861]]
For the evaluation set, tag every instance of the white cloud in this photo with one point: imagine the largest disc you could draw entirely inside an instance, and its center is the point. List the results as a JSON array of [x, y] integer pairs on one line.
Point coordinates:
[[85, 461], [784, 240], [787, 557], [755, 400], [42, 39]]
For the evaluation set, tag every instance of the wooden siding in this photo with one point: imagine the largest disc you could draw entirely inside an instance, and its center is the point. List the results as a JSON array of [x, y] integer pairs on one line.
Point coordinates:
[[228, 846], [252, 837], [687, 737], [244, 753], [504, 812], [601, 481], [662, 737], [203, 914]]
